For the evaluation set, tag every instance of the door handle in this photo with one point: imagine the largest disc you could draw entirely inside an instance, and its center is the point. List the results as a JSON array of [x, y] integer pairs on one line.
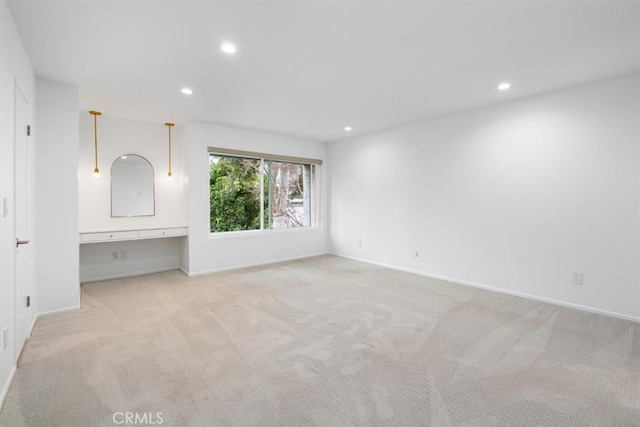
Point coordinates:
[[21, 242]]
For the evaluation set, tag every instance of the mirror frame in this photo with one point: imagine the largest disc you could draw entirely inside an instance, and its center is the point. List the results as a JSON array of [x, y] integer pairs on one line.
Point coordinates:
[[153, 184]]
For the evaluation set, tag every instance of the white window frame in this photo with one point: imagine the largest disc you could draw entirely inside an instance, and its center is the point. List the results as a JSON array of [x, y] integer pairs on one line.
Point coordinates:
[[314, 205]]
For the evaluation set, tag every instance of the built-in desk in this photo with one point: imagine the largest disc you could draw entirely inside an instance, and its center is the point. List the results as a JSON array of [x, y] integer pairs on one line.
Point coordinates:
[[114, 236]]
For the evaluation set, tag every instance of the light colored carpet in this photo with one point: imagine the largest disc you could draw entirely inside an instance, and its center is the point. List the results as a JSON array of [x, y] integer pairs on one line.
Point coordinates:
[[323, 341]]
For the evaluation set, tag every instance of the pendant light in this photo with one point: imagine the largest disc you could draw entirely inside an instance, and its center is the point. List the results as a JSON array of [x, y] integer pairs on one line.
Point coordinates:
[[169, 126], [95, 114]]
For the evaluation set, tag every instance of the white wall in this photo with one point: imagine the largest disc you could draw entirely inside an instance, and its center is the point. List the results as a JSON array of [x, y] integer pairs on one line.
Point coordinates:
[[141, 257], [211, 252], [515, 196], [117, 137], [57, 197], [15, 68]]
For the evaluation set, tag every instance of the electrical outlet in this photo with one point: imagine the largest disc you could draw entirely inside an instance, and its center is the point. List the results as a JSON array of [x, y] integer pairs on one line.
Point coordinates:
[[578, 277], [115, 255]]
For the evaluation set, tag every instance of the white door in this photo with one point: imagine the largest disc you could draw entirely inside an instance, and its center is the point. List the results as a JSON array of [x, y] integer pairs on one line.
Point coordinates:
[[21, 205]]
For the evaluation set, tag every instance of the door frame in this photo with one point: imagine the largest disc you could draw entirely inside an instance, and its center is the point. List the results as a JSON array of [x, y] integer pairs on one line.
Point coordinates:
[[19, 298]]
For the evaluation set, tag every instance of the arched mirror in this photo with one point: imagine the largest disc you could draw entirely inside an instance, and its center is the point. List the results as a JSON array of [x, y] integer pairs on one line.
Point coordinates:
[[132, 188]]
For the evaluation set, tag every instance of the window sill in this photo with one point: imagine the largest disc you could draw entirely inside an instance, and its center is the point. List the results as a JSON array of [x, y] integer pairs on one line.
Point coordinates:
[[249, 233]]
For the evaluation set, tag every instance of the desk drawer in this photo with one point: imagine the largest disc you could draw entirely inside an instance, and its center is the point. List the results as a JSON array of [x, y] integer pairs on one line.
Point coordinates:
[[106, 237], [163, 232]]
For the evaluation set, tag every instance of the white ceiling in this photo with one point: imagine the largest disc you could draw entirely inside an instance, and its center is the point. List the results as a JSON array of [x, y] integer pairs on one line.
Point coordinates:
[[308, 69]]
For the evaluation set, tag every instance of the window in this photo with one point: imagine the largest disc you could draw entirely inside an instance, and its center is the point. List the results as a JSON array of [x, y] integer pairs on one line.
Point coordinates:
[[250, 191]]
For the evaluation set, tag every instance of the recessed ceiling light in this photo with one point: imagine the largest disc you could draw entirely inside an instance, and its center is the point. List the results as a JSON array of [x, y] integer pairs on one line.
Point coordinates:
[[504, 86], [347, 128], [228, 48], [187, 91]]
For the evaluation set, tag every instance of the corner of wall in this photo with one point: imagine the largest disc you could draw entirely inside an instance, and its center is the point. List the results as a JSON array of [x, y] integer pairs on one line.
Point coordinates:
[[58, 281]]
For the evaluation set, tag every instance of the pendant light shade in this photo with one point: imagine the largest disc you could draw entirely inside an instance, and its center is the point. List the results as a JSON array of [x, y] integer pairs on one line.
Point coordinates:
[[95, 114], [169, 126]]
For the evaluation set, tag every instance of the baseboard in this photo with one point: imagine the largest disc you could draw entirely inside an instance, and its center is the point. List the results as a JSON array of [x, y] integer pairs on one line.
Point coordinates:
[[125, 275], [257, 264], [58, 311], [5, 389], [500, 290], [33, 324]]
